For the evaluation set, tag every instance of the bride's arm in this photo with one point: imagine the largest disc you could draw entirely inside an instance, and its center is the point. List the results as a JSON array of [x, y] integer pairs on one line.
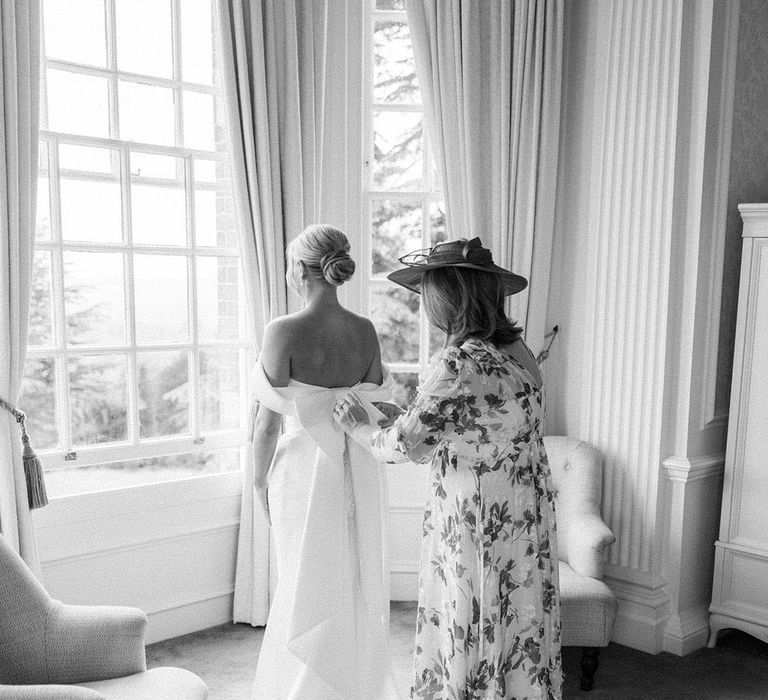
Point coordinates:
[[264, 436], [266, 424], [265, 432]]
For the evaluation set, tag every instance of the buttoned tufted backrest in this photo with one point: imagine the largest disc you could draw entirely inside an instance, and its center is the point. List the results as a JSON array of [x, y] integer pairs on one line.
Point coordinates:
[[577, 474]]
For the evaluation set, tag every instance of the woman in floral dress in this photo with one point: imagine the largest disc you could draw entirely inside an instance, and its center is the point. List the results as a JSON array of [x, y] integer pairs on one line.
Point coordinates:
[[489, 612]]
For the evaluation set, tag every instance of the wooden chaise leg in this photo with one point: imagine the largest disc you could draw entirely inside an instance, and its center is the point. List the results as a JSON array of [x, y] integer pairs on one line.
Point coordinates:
[[590, 658]]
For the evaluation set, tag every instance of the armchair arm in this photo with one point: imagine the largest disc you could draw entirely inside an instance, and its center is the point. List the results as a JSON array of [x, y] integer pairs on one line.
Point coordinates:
[[48, 692], [588, 536], [94, 642]]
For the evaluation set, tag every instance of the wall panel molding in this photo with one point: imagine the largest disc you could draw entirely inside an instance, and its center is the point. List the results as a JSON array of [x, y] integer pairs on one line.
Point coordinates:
[[685, 469], [58, 560], [715, 219], [629, 262]]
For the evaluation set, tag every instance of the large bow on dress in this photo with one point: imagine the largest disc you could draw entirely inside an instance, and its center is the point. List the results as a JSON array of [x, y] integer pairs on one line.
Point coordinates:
[[342, 535]]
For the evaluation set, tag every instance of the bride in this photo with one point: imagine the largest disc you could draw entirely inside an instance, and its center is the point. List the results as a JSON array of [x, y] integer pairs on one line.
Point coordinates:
[[327, 633]]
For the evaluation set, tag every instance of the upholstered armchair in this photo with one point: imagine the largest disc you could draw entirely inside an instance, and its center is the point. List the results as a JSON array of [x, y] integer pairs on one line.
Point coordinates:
[[588, 607], [52, 650]]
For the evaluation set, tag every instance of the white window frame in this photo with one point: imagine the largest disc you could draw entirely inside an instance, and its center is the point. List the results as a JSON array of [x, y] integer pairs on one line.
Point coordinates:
[[429, 194], [66, 455]]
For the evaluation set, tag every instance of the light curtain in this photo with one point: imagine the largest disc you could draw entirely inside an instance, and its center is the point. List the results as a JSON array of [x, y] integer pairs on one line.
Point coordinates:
[[490, 73], [19, 97], [273, 59]]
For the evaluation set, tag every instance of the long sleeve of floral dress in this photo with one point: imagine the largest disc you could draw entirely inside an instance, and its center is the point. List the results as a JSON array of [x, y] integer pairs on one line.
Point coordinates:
[[489, 613], [439, 412]]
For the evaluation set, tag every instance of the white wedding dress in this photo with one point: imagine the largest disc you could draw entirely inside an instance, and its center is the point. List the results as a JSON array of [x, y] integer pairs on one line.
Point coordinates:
[[327, 633]]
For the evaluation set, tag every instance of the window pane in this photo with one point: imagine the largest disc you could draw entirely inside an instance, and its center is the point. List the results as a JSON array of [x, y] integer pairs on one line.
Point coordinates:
[[205, 170], [98, 398], [43, 214], [160, 289], [404, 391], [40, 301], [437, 233], [77, 104], [38, 401], [74, 31], [218, 306], [163, 390], [151, 165], [394, 69], [90, 211], [159, 215], [395, 314], [144, 37], [94, 298], [88, 159], [196, 41], [199, 121], [397, 151], [134, 472], [396, 229], [219, 389], [146, 113], [205, 218]]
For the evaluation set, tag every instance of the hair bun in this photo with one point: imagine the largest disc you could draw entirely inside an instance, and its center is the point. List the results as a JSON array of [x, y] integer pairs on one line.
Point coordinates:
[[337, 266]]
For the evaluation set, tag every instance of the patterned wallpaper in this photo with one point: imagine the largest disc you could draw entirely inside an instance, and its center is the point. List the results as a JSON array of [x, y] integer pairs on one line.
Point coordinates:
[[749, 170]]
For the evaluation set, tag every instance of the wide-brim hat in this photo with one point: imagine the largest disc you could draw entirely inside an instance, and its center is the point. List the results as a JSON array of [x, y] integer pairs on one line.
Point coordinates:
[[465, 253]]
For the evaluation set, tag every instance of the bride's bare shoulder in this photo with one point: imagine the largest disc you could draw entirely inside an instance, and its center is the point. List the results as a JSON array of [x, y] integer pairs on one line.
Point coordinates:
[[275, 355], [361, 324], [285, 325]]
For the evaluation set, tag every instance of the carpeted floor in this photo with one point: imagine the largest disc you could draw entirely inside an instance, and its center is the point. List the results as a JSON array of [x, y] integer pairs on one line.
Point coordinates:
[[225, 658]]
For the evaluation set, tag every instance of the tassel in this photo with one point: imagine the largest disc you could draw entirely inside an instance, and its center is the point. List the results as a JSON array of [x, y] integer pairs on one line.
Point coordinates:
[[33, 470]]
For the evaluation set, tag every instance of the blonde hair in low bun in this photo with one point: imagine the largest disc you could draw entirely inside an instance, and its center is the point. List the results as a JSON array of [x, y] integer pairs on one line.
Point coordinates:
[[324, 250]]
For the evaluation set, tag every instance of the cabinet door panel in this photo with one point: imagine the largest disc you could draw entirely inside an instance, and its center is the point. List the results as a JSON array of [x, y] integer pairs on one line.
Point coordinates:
[[752, 429]]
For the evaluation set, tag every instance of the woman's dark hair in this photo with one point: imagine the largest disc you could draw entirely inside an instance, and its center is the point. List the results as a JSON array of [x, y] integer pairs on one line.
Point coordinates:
[[468, 303]]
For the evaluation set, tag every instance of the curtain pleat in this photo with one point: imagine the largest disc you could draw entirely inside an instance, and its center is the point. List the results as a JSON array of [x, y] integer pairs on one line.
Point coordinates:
[[273, 64], [19, 96], [490, 75]]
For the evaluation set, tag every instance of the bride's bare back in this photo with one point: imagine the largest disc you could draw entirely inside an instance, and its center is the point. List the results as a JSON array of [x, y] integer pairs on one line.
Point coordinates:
[[328, 347]]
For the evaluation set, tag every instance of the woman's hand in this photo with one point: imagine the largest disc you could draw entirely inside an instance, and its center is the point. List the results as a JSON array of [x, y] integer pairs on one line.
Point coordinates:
[[349, 413], [261, 492], [391, 412]]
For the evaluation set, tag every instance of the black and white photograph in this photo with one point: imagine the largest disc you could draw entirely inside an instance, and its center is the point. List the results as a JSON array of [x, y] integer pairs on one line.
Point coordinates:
[[383, 349]]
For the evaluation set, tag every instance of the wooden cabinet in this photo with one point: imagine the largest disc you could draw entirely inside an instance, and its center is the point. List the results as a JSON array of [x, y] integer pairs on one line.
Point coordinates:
[[740, 590]]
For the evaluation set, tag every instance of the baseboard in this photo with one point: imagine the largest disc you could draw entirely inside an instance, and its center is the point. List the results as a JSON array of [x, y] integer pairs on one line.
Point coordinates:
[[185, 617], [643, 610], [687, 632]]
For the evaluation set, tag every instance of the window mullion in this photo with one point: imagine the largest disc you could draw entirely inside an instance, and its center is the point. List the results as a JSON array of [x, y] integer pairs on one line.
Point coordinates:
[[423, 321], [111, 34], [130, 298], [59, 315], [177, 71], [137, 146], [193, 360]]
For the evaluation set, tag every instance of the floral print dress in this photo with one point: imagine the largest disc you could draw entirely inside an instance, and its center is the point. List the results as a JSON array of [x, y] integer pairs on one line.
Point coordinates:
[[489, 610]]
